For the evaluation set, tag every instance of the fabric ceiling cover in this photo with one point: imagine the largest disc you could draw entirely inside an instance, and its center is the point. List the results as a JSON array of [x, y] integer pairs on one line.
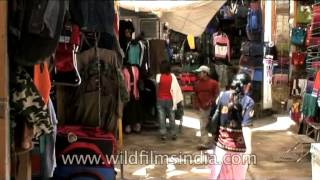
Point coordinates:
[[187, 17]]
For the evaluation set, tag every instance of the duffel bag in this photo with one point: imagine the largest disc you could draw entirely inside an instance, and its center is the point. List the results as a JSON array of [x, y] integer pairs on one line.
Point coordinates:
[[84, 173], [80, 141]]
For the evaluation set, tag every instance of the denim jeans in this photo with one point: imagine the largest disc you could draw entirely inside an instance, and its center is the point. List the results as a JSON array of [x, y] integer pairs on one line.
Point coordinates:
[[164, 108]]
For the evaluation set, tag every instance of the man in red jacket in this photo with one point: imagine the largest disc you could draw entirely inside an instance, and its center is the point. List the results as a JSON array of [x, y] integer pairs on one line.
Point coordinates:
[[206, 91]]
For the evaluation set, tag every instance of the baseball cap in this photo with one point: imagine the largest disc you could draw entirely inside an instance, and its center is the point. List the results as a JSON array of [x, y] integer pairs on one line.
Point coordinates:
[[203, 69]]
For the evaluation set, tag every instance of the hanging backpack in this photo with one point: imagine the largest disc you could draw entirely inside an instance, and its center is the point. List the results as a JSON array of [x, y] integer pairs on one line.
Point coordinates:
[[298, 36], [254, 23]]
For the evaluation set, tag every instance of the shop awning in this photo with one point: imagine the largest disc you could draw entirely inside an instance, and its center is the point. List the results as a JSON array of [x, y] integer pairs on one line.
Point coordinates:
[[187, 17]]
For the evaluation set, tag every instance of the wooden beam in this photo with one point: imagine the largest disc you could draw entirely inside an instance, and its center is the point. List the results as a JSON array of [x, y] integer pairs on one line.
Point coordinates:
[[4, 119]]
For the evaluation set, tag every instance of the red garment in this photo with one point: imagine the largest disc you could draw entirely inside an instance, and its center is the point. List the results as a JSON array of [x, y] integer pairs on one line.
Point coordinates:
[[205, 91], [164, 87], [42, 80], [316, 85]]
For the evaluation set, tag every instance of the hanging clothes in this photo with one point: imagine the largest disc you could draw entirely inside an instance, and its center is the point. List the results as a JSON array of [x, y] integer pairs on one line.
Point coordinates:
[[131, 84], [299, 87], [135, 53], [145, 66], [309, 106], [49, 146], [27, 104], [95, 102], [316, 85], [94, 16], [132, 112], [191, 42], [34, 29], [157, 54], [42, 80], [223, 75]]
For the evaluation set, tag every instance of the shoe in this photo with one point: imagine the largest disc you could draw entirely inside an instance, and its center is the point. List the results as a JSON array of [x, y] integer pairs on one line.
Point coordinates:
[[128, 129], [163, 138], [174, 138]]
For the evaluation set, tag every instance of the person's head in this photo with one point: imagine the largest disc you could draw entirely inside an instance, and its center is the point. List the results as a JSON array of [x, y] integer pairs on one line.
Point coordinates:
[[165, 67], [203, 72], [241, 83], [128, 34]]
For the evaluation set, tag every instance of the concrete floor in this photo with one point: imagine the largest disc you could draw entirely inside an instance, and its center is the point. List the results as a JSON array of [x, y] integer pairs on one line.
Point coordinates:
[[272, 136]]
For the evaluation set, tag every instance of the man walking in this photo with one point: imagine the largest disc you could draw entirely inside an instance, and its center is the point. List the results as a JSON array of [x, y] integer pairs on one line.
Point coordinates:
[[206, 91]]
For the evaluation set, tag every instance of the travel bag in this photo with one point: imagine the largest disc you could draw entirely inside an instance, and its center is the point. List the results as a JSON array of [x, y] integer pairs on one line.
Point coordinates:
[[78, 140], [84, 153]]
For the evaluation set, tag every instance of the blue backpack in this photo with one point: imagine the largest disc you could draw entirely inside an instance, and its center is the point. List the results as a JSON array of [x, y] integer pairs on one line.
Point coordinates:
[[254, 21]]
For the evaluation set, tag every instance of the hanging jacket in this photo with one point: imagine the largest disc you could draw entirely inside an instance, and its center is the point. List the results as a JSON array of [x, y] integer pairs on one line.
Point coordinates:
[[221, 45], [34, 29], [97, 103], [27, 105], [128, 80], [135, 53], [94, 16]]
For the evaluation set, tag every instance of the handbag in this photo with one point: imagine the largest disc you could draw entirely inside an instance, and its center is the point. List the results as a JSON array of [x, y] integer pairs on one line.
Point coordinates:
[[298, 58], [303, 15], [298, 36]]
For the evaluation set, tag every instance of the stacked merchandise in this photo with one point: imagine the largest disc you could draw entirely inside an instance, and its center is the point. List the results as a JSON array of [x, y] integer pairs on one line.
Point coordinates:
[[313, 41], [252, 50], [306, 37], [298, 39], [88, 113], [311, 99]]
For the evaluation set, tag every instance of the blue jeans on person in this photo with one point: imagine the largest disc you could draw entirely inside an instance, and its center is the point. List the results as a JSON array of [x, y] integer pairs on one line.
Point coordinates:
[[164, 108]]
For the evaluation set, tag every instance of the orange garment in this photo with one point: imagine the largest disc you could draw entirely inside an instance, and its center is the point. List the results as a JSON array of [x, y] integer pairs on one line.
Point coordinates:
[[41, 80]]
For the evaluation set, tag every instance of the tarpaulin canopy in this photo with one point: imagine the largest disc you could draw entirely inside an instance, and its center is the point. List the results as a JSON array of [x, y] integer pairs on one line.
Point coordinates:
[[187, 17]]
